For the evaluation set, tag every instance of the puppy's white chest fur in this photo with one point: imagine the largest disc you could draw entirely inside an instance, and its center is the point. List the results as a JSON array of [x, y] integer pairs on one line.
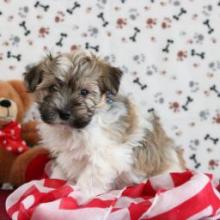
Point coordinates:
[[94, 158], [102, 156]]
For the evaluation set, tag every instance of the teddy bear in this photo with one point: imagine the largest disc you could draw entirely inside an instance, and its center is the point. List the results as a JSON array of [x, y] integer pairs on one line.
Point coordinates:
[[21, 159]]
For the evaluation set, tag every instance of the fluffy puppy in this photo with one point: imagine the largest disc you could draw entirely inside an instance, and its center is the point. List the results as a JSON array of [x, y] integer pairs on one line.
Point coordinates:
[[99, 139]]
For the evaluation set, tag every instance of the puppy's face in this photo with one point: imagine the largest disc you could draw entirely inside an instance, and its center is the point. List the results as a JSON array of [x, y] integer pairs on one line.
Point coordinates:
[[70, 87]]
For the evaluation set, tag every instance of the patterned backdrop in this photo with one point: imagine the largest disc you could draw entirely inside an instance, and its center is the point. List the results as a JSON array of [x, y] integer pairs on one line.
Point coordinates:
[[168, 50]]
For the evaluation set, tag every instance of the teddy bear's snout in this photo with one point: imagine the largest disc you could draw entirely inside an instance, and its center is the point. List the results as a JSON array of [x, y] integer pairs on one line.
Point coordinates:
[[5, 103]]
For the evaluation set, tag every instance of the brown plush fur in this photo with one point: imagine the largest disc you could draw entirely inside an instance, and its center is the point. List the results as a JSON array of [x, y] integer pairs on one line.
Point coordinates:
[[29, 133], [14, 90]]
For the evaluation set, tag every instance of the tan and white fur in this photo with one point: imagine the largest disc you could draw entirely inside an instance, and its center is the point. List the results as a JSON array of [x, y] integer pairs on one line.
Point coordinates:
[[99, 139]]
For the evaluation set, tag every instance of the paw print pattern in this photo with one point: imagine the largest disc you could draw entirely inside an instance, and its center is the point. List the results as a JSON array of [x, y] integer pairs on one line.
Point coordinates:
[[194, 144], [204, 114], [93, 31], [151, 22], [168, 51], [213, 164], [214, 65], [174, 106], [15, 40], [23, 11], [158, 97], [151, 70], [139, 58], [133, 14], [110, 58], [199, 38], [181, 55], [194, 86]]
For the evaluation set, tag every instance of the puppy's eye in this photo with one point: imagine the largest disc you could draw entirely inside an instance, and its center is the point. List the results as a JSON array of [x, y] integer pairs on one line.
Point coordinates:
[[84, 92], [52, 88]]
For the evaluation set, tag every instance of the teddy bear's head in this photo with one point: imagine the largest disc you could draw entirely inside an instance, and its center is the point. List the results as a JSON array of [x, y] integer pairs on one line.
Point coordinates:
[[14, 101], [8, 110]]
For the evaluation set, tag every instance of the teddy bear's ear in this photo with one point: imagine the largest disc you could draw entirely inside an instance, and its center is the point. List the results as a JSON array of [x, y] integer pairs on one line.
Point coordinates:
[[33, 78]]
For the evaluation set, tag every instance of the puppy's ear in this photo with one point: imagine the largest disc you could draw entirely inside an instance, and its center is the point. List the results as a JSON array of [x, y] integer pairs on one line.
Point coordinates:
[[33, 78], [110, 80]]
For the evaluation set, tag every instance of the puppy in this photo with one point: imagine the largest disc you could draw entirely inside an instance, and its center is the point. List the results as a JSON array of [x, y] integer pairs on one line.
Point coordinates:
[[99, 138]]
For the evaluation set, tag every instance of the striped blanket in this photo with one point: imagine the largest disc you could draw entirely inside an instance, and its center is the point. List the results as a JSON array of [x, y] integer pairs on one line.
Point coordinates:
[[187, 195]]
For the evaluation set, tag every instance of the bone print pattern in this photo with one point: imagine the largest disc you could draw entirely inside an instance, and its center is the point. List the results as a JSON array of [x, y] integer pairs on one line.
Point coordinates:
[[167, 49]]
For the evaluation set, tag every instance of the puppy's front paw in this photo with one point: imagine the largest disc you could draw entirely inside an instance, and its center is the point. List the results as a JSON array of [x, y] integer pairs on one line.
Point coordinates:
[[88, 192], [90, 189], [56, 172]]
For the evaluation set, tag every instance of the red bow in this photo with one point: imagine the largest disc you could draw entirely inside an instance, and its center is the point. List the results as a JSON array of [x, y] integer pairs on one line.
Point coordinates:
[[10, 138]]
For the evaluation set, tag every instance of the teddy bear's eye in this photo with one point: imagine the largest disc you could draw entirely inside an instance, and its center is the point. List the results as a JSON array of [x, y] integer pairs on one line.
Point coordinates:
[[52, 88]]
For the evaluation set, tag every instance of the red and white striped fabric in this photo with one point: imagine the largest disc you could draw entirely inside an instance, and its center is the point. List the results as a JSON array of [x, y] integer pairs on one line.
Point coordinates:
[[186, 195]]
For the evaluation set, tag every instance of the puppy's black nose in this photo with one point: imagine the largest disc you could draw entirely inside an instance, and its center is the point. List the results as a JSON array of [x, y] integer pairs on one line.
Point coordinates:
[[64, 115], [5, 103]]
